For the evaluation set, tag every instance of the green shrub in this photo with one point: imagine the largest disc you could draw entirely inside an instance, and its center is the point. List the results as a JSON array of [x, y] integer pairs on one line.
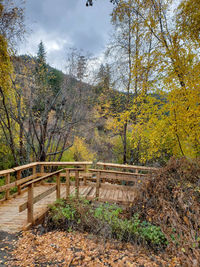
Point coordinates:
[[104, 219], [152, 234], [69, 212], [107, 212]]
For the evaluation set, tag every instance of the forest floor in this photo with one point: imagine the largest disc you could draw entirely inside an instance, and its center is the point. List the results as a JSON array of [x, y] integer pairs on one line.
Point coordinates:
[[74, 249], [7, 244]]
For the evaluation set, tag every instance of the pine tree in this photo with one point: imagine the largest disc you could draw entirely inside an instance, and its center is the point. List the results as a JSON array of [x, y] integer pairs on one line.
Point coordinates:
[[41, 67], [41, 54]]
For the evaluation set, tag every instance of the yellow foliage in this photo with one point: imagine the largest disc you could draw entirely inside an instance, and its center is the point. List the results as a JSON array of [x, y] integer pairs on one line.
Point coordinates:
[[169, 126], [8, 98], [168, 123], [189, 19], [5, 66], [79, 151]]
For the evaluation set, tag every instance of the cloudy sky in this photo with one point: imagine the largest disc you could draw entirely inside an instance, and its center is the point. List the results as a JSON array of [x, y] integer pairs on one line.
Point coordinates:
[[61, 24]]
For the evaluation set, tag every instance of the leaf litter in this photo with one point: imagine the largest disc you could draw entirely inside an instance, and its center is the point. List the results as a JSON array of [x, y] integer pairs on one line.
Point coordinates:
[[80, 249]]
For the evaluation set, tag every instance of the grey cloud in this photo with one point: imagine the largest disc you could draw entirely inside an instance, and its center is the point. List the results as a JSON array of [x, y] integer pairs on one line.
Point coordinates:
[[91, 41], [65, 23]]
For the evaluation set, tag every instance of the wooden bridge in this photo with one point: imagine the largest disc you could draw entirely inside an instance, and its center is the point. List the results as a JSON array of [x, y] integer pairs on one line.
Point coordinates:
[[28, 190]]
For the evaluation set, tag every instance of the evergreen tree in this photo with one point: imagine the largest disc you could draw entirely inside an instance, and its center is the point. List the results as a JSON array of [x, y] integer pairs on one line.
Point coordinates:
[[41, 54], [41, 67]]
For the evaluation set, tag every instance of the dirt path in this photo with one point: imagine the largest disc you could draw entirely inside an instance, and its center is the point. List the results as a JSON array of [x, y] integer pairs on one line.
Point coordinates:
[[7, 244]]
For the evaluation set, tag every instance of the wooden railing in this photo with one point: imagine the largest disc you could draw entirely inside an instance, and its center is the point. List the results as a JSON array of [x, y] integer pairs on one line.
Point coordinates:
[[113, 179], [31, 200], [109, 179], [36, 169], [105, 176], [16, 173], [135, 168]]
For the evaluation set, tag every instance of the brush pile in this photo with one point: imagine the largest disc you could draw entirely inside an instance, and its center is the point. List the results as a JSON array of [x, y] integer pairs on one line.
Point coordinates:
[[171, 200]]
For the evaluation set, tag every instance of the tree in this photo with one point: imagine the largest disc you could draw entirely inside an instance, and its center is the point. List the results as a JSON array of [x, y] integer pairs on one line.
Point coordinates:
[[177, 67], [77, 63], [11, 22], [11, 29], [131, 52], [79, 151], [188, 20], [49, 115], [6, 123], [167, 65]]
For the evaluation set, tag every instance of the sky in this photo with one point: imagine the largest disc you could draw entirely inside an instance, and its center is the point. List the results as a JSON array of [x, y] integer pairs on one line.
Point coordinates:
[[62, 24]]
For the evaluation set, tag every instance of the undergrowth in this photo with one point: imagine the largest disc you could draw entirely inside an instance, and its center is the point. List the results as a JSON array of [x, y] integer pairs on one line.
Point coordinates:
[[106, 220]]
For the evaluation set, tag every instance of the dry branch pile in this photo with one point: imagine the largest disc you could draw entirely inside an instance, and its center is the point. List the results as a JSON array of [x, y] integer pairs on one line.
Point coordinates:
[[171, 199]]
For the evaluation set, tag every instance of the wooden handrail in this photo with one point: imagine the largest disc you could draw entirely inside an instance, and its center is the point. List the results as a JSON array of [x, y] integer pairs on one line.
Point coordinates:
[[17, 183], [24, 206], [26, 166], [117, 172], [32, 200], [4, 172], [63, 163], [44, 177], [114, 175], [19, 168], [33, 164], [124, 166], [19, 180]]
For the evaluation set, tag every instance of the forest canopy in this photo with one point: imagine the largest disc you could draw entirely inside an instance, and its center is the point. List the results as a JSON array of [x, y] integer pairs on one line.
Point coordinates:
[[141, 107]]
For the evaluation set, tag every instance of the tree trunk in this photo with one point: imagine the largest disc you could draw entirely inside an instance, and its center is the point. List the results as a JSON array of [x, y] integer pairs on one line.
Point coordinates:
[[9, 128], [125, 144]]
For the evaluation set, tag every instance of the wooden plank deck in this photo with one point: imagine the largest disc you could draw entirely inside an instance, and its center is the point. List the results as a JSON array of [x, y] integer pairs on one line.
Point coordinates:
[[13, 221]]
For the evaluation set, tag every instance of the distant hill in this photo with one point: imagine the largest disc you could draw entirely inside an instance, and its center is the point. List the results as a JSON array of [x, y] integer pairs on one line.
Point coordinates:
[[25, 68]]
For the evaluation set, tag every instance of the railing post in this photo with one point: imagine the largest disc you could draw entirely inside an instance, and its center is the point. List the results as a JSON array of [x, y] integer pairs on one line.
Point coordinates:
[[7, 181], [85, 178], [18, 178], [34, 169], [98, 183], [42, 173], [105, 168], [30, 204], [67, 184], [58, 186], [77, 183], [34, 172], [41, 169]]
